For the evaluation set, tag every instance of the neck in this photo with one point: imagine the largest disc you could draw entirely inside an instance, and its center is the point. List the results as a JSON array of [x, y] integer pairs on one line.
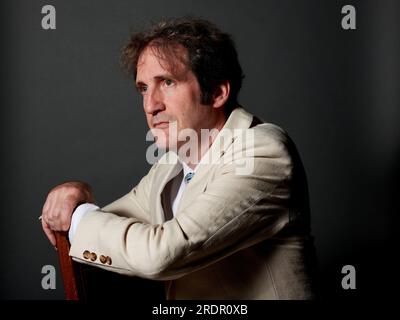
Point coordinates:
[[204, 146]]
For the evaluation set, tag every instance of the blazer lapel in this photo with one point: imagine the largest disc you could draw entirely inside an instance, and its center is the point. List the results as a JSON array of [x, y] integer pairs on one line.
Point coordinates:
[[168, 170], [238, 119]]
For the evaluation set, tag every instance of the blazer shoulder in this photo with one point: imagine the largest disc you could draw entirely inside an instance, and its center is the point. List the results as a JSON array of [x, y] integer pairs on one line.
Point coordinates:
[[268, 139], [270, 132]]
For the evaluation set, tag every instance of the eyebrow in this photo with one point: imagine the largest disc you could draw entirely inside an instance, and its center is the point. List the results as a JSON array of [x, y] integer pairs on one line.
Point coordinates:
[[139, 84], [160, 77]]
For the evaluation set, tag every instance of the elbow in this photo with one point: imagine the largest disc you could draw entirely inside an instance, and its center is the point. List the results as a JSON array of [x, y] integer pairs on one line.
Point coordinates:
[[160, 271]]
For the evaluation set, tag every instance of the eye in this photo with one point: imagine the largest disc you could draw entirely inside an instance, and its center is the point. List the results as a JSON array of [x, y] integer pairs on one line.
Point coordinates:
[[142, 88], [169, 82]]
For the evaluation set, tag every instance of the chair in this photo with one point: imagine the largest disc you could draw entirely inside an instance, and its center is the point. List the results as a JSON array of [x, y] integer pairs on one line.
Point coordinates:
[[85, 282]]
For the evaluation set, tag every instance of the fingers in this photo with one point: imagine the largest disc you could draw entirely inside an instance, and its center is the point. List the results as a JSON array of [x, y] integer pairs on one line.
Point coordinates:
[[58, 216], [60, 204], [58, 209], [49, 233]]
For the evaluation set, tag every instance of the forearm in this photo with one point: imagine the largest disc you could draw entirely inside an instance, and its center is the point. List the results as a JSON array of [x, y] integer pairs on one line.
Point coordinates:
[[181, 245]]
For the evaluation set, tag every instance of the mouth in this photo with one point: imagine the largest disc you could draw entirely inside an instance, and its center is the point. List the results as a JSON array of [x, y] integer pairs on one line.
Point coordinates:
[[161, 125]]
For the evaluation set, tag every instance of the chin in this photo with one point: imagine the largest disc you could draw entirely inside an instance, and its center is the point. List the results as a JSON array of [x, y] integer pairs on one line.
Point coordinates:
[[164, 145], [161, 143]]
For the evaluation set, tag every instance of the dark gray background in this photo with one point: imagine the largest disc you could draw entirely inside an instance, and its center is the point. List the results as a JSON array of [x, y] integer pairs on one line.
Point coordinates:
[[68, 112]]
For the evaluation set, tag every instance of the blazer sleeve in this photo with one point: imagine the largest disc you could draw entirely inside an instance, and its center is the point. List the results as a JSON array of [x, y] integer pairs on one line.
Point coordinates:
[[234, 212]]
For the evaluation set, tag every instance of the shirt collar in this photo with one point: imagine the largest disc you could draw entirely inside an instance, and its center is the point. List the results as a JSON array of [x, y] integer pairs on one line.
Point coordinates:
[[186, 168]]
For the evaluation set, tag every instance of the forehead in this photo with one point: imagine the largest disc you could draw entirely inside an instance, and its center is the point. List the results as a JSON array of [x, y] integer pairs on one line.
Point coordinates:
[[170, 59]]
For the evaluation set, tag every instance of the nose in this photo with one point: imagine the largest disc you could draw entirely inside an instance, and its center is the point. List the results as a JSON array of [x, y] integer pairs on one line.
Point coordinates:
[[153, 101]]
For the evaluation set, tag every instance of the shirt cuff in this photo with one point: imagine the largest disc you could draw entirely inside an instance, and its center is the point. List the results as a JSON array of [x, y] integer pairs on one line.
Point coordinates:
[[77, 215]]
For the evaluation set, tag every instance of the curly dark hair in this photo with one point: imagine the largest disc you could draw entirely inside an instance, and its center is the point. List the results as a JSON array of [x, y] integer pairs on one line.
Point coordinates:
[[211, 54]]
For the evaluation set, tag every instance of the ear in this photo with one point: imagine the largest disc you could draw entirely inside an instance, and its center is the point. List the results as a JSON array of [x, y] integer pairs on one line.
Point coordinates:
[[221, 94]]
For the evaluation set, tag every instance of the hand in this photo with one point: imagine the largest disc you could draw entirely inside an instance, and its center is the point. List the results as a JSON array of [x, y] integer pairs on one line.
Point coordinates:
[[60, 204]]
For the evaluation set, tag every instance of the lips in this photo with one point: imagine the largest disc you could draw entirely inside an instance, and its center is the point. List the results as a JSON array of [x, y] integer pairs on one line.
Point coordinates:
[[161, 125]]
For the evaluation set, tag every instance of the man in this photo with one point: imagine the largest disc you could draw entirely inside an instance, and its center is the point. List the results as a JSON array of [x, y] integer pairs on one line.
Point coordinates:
[[207, 226]]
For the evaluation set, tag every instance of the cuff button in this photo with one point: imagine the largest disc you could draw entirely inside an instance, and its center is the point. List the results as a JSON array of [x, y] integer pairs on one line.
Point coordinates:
[[86, 254], [108, 261], [93, 256], [103, 259]]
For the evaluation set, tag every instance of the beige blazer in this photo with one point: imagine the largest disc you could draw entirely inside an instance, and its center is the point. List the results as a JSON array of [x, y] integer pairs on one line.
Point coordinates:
[[234, 236]]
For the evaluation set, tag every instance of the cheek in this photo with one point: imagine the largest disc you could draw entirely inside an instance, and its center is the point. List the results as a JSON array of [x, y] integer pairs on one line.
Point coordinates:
[[184, 119], [148, 119], [183, 106]]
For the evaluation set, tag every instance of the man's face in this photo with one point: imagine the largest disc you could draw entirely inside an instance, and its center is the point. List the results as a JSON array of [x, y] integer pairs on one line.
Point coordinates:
[[170, 98]]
